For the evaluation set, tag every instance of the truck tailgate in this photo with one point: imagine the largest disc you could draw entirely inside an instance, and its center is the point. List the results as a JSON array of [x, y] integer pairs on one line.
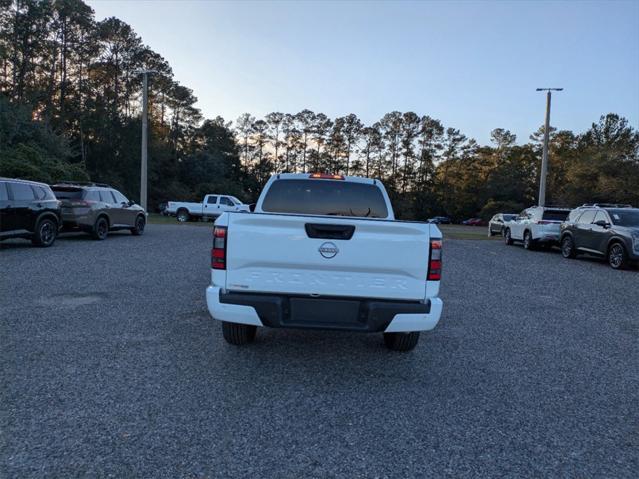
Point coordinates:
[[293, 254]]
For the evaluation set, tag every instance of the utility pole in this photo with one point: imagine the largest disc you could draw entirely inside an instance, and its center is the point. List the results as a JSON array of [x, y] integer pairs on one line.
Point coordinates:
[[143, 171], [544, 156], [144, 152]]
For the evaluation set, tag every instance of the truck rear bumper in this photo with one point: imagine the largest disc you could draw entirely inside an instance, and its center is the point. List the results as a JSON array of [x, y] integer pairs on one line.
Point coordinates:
[[348, 314]]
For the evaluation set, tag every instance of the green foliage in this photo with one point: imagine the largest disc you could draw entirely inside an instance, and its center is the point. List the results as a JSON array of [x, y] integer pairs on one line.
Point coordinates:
[[31, 162], [30, 150], [493, 207]]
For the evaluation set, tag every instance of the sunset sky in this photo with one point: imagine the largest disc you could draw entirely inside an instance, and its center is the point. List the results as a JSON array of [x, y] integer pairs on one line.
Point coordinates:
[[473, 65]]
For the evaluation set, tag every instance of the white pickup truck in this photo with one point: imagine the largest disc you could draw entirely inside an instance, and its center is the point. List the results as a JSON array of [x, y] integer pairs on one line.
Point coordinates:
[[325, 252], [212, 207]]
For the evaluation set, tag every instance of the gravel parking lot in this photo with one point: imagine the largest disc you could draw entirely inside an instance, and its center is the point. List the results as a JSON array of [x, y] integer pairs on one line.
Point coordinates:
[[111, 367]]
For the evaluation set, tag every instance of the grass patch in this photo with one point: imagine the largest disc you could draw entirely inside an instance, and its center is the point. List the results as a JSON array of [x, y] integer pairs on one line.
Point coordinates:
[[466, 232]]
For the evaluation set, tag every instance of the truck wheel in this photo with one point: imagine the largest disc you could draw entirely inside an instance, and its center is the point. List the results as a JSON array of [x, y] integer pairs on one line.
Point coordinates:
[[507, 238], [401, 341], [238, 334], [45, 232], [182, 215], [100, 229]]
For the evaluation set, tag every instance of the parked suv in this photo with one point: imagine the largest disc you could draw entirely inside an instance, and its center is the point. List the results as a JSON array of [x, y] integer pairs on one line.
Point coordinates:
[[97, 208], [605, 230], [28, 210], [536, 226]]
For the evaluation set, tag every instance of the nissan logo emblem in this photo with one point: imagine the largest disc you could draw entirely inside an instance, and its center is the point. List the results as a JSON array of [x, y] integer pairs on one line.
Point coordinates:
[[328, 250]]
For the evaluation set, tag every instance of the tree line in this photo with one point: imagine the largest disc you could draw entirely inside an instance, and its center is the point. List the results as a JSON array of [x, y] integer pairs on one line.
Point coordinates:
[[70, 93]]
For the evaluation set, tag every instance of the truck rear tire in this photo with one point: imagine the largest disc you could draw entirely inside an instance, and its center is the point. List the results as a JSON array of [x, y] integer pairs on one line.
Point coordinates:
[[401, 341], [183, 215], [238, 334]]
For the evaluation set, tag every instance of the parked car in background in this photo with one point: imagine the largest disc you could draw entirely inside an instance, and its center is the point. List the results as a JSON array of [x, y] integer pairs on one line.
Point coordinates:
[[440, 220], [97, 208], [212, 207], [474, 222], [536, 226], [29, 210], [497, 222], [303, 260], [609, 231]]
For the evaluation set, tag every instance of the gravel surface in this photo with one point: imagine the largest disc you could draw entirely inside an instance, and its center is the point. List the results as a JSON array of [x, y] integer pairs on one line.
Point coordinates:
[[111, 367]]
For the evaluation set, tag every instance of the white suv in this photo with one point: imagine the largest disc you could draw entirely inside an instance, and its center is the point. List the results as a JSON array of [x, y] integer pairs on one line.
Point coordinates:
[[537, 225]]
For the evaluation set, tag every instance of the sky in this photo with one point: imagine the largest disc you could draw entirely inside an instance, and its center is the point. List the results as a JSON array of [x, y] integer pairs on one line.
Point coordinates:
[[474, 65]]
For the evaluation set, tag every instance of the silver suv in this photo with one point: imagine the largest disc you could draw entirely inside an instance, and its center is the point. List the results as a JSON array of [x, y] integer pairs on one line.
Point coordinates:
[[97, 208]]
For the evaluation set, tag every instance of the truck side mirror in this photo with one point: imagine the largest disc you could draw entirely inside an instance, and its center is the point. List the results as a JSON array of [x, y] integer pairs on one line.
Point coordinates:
[[602, 223]]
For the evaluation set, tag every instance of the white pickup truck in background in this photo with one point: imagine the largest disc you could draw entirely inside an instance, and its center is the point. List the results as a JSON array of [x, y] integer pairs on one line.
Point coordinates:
[[212, 207], [325, 252]]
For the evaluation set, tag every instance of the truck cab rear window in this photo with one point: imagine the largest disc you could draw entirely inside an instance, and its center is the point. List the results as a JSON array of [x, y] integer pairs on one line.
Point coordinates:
[[325, 197]]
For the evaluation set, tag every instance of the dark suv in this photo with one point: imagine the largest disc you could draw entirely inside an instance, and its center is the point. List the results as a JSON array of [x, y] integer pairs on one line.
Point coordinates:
[[605, 230], [28, 210], [97, 208]]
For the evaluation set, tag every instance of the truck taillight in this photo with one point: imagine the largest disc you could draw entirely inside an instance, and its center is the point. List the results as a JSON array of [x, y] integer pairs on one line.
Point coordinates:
[[218, 252], [435, 260]]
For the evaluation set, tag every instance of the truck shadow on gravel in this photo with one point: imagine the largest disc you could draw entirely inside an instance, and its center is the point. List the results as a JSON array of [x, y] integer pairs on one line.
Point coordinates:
[[296, 356]]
